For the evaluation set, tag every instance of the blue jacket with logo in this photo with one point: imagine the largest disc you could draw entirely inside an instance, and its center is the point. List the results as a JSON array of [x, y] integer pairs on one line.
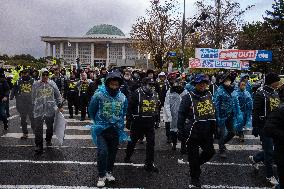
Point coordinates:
[[107, 111]]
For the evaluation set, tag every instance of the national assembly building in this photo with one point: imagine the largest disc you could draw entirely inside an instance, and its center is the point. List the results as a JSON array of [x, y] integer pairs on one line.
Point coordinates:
[[103, 45]]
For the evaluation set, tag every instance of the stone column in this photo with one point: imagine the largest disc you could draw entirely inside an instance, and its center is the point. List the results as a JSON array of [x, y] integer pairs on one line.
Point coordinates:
[[51, 49], [46, 49], [61, 50], [92, 54], [123, 52], [107, 60], [77, 50]]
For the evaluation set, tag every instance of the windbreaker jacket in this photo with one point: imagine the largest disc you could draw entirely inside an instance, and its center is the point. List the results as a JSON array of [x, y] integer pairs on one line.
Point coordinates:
[[244, 99], [46, 99], [107, 111]]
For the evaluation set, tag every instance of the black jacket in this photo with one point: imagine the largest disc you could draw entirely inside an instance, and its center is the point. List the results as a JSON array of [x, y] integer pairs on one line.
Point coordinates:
[[185, 122], [258, 114], [274, 128]]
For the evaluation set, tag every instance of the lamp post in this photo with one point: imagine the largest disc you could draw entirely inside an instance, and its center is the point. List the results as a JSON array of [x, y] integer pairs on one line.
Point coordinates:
[[183, 36]]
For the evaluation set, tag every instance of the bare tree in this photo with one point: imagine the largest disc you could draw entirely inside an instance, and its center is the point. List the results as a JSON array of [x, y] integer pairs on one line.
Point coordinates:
[[159, 31], [223, 24]]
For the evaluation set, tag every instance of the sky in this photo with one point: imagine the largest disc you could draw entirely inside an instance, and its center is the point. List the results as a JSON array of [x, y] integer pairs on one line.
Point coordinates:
[[22, 22]]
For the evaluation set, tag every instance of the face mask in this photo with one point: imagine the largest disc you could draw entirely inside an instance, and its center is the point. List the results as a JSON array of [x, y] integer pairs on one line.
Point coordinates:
[[112, 92], [127, 77], [227, 83]]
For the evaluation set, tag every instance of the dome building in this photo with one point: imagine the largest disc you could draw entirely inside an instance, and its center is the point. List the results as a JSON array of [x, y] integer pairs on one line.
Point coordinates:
[[103, 45]]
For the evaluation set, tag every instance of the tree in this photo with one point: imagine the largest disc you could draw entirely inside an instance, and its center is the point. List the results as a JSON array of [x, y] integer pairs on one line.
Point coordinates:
[[266, 35], [157, 32], [223, 24], [275, 19]]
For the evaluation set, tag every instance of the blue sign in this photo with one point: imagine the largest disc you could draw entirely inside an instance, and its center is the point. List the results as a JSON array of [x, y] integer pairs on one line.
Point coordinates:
[[172, 54], [264, 56]]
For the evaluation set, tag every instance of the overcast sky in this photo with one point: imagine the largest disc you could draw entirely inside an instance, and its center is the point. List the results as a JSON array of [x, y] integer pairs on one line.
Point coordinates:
[[22, 22]]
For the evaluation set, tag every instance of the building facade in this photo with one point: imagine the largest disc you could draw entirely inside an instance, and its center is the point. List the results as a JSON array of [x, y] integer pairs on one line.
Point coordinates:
[[103, 45]]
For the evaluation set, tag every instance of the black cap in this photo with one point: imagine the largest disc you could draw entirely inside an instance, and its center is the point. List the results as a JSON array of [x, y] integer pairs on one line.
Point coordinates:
[[271, 78]]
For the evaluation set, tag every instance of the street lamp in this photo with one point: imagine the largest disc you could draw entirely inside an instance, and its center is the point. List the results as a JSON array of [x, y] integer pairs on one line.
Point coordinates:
[[203, 16]]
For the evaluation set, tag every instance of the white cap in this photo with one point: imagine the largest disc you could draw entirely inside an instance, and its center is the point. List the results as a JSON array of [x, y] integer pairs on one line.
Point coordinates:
[[162, 74], [43, 70]]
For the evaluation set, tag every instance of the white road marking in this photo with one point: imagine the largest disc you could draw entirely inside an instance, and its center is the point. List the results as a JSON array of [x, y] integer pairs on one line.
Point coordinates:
[[181, 161], [229, 187], [51, 187], [67, 162], [236, 147]]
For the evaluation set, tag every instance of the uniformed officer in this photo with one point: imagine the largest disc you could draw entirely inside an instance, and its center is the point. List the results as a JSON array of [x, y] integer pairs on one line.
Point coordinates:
[[143, 121]]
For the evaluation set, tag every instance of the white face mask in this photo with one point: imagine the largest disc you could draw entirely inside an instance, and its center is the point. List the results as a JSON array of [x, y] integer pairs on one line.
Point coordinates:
[[227, 83], [127, 77]]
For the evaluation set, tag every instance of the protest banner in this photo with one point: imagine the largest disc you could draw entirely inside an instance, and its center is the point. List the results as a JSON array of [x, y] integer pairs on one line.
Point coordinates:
[[233, 54]]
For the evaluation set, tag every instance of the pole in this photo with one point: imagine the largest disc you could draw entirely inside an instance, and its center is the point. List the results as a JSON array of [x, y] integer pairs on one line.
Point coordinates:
[[183, 36]]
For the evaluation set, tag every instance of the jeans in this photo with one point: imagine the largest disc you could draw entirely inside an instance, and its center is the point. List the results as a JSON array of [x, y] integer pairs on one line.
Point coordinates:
[[194, 158], [266, 155], [107, 143], [3, 115], [222, 131], [38, 126]]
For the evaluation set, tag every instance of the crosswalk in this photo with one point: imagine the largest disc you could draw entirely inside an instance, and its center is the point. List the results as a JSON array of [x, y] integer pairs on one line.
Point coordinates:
[[73, 165]]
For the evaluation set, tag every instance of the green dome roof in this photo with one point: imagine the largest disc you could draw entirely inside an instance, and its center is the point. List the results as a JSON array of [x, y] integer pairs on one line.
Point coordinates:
[[105, 29]]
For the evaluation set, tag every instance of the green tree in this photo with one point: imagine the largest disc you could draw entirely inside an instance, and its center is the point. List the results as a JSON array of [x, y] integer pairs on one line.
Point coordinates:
[[275, 19]]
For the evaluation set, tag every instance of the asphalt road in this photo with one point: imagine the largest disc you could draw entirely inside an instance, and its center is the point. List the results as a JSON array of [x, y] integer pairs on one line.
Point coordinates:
[[73, 165]]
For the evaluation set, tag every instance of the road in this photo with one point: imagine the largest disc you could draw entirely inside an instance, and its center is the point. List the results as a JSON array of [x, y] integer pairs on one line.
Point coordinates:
[[73, 165]]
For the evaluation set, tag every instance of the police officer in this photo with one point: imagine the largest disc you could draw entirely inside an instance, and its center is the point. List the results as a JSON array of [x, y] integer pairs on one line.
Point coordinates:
[[71, 94], [22, 90], [82, 86], [143, 121], [196, 123]]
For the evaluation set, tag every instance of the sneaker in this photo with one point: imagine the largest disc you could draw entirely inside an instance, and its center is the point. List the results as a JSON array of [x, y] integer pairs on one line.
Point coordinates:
[[151, 168], [254, 164], [110, 177], [101, 182], [24, 137], [48, 144], [195, 182], [272, 180]]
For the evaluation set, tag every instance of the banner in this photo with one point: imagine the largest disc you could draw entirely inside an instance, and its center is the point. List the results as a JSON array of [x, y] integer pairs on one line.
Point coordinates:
[[233, 54], [210, 63]]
